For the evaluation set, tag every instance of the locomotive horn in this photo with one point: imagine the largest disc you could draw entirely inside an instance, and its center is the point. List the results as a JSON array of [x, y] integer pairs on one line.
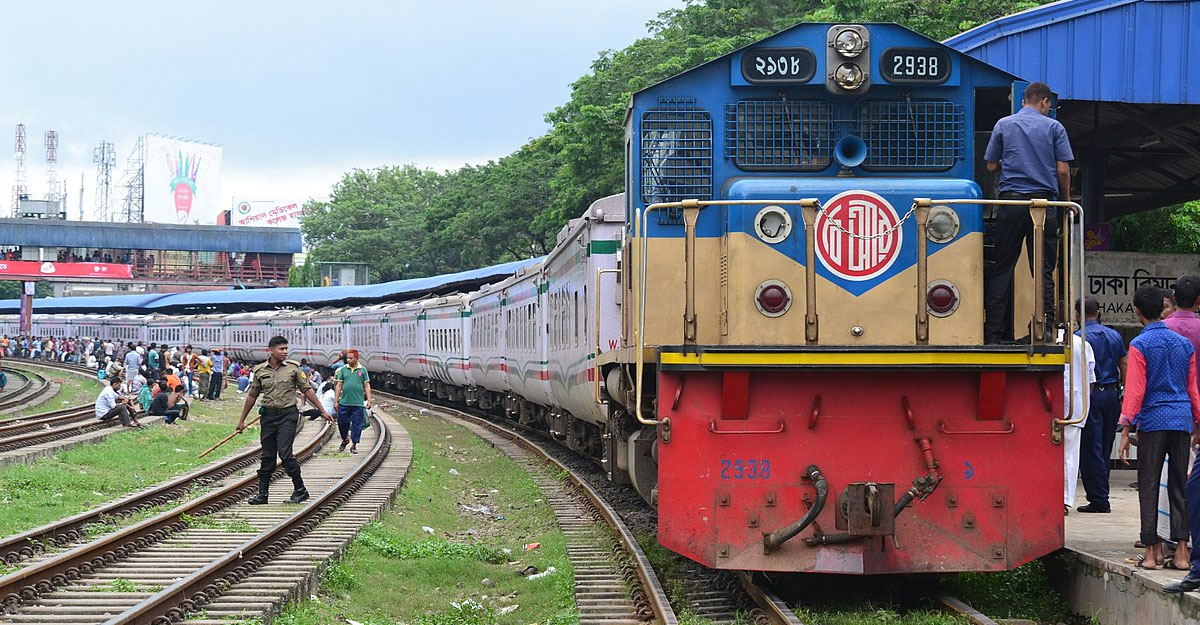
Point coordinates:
[[773, 540], [850, 151]]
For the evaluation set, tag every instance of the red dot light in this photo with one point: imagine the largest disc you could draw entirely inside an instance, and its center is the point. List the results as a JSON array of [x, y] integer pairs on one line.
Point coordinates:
[[941, 298], [773, 298]]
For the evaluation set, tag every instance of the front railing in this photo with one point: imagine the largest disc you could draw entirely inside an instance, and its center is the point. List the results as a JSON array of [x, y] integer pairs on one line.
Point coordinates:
[[1072, 282]]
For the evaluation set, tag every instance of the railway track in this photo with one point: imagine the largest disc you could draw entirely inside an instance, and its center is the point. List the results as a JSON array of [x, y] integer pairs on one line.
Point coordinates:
[[210, 558], [23, 387], [722, 597]]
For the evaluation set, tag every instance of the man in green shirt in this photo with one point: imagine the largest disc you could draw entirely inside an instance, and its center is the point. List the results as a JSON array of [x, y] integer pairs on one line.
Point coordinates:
[[152, 358], [351, 396]]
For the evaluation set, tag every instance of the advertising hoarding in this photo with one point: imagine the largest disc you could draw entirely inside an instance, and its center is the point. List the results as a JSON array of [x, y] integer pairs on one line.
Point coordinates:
[[266, 213], [181, 181], [50, 270]]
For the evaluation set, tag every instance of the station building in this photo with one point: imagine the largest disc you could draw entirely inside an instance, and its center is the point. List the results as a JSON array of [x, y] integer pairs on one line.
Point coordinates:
[[95, 258]]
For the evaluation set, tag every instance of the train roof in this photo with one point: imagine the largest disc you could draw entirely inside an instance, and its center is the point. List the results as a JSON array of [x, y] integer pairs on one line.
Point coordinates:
[[247, 300]]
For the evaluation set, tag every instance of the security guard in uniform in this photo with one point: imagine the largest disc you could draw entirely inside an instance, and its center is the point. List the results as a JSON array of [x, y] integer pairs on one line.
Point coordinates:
[[277, 381]]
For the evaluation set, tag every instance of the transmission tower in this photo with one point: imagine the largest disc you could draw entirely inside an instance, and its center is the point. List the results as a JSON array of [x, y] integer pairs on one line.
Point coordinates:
[[105, 158], [133, 209], [19, 187], [52, 190]]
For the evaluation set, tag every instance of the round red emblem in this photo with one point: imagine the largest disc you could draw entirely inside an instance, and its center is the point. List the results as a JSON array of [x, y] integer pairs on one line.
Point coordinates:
[[876, 241]]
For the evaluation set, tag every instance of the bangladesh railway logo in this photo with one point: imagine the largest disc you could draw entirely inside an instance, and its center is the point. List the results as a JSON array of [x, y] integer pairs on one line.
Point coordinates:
[[244, 208], [857, 235]]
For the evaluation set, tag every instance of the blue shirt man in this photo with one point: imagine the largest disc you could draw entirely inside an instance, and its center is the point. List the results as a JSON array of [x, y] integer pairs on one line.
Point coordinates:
[[1100, 429], [1031, 152]]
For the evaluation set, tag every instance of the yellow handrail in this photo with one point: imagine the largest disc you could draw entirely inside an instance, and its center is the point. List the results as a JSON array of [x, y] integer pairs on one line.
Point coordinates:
[[596, 352], [642, 216], [1073, 231]]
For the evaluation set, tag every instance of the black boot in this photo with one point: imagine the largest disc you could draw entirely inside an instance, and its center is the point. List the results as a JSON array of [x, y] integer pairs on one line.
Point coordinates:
[[264, 486], [300, 493]]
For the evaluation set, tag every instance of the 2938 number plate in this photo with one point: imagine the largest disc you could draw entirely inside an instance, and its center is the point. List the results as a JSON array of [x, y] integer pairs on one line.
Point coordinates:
[[745, 469]]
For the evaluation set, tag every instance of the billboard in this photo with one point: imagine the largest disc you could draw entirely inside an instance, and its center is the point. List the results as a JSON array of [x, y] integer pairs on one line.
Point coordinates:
[[50, 270], [181, 181], [266, 213]]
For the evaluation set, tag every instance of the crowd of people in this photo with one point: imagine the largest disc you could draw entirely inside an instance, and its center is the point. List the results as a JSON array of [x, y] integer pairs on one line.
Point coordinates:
[[1149, 392]]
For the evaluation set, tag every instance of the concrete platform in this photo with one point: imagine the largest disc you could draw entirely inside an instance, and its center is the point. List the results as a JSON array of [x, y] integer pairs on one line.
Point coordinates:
[[1096, 572]]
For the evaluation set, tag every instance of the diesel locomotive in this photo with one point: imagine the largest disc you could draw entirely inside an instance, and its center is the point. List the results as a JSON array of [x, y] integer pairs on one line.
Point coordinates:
[[775, 335]]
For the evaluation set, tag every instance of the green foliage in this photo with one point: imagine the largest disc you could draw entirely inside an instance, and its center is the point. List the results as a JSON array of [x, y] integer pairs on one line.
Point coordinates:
[[11, 289], [1167, 230], [119, 584], [992, 594], [411, 222], [392, 544], [338, 578], [304, 275], [469, 612]]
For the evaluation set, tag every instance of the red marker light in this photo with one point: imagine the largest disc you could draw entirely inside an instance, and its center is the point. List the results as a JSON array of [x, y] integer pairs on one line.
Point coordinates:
[[773, 299], [942, 299]]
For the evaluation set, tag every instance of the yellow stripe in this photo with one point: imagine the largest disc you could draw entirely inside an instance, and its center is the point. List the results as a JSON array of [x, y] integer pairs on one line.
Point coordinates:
[[863, 359]]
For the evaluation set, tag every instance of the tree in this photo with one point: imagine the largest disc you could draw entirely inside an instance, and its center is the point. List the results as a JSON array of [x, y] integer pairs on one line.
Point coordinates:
[[1167, 230], [409, 222], [11, 289]]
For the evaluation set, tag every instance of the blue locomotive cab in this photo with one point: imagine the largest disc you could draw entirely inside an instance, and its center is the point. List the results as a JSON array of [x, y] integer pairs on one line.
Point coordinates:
[[779, 189]]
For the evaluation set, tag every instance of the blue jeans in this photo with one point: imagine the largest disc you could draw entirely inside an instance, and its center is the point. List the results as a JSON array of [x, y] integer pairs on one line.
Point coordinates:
[[1095, 446], [350, 419]]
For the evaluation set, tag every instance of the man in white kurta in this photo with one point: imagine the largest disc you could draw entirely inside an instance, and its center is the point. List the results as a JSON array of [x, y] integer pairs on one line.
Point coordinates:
[[1083, 359]]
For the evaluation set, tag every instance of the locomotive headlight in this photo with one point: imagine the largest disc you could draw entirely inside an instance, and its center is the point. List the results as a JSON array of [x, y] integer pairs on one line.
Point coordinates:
[[773, 298], [943, 224], [848, 43], [772, 224], [848, 76], [941, 299]]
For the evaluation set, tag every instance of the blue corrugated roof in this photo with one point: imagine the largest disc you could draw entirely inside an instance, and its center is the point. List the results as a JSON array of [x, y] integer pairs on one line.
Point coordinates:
[[1144, 51], [259, 299], [139, 236]]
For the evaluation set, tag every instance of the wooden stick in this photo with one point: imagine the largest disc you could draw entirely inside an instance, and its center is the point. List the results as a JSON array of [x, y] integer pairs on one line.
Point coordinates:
[[228, 438]]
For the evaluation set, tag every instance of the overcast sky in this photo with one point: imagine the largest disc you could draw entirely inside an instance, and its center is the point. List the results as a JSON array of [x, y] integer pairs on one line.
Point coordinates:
[[296, 92]]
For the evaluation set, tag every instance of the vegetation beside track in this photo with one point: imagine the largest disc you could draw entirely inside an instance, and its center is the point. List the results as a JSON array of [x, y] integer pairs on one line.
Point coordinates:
[[80, 478], [395, 571]]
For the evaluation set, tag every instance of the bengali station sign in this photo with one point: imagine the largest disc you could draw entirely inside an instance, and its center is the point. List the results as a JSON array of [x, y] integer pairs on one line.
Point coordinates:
[[50, 270], [1112, 278], [266, 213]]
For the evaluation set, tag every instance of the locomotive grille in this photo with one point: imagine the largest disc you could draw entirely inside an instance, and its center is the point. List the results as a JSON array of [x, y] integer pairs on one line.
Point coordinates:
[[676, 156], [912, 136], [778, 135]]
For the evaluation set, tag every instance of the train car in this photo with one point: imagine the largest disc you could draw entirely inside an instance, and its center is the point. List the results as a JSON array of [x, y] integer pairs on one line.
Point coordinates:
[[489, 372], [529, 401], [406, 344], [327, 335], [248, 334], [447, 323], [586, 250], [804, 343], [368, 328]]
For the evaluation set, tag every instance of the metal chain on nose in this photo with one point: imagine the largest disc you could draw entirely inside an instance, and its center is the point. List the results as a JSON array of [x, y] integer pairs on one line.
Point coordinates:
[[864, 237]]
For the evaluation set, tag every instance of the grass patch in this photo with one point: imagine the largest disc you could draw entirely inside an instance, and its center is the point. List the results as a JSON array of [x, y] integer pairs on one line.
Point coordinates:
[[74, 391], [234, 523], [396, 571], [128, 461], [119, 584], [992, 594]]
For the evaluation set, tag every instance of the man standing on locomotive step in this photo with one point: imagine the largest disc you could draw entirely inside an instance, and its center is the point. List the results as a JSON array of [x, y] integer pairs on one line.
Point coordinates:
[[1100, 429], [1031, 152], [277, 381]]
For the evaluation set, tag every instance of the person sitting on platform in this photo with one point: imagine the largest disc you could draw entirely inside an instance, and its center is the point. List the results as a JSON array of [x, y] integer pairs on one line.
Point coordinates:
[[1161, 396], [110, 404], [170, 406]]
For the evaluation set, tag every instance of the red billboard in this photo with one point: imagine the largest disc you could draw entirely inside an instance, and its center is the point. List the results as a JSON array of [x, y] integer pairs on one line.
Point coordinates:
[[50, 270]]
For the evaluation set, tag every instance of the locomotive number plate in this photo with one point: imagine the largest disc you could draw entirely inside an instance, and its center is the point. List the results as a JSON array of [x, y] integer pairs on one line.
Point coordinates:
[[776, 65], [745, 469], [915, 66]]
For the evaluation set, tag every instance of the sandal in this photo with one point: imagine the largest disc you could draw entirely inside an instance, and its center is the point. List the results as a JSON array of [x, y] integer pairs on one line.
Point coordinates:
[[1170, 564]]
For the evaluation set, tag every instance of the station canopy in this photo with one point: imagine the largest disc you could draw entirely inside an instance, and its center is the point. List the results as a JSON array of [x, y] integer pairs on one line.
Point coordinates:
[[149, 236], [245, 300], [1127, 76]]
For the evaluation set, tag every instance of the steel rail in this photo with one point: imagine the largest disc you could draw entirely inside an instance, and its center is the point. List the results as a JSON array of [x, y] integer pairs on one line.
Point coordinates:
[[652, 588], [960, 607], [34, 388], [36, 437], [772, 607], [20, 425], [60, 533], [42, 577], [192, 593]]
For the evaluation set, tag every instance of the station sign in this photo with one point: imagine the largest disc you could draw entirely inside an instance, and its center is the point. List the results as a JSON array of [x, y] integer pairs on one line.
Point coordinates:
[[50, 270]]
